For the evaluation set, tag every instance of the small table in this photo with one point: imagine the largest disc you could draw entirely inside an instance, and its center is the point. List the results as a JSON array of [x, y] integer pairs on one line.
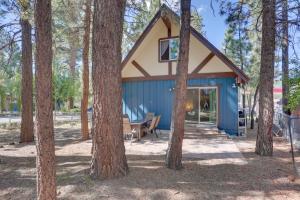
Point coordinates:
[[137, 125]]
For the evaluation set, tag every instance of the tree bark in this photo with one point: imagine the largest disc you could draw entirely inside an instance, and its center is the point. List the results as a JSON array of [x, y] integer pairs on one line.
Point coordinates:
[[73, 39], [253, 107], [264, 140], [27, 134], [46, 188], [72, 64], [242, 64], [108, 154], [3, 101], [85, 74], [285, 57], [174, 151]]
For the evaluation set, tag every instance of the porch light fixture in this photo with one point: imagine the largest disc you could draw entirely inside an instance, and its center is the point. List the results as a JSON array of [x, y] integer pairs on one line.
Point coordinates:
[[171, 89]]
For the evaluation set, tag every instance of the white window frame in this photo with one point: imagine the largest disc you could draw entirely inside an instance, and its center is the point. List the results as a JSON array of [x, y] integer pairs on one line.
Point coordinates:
[[159, 53]]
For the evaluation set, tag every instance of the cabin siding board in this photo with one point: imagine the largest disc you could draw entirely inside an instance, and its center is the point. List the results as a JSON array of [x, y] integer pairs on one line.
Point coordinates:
[[140, 97]]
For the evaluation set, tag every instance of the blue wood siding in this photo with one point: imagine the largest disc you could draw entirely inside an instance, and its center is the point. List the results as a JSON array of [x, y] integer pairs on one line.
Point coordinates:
[[140, 97]]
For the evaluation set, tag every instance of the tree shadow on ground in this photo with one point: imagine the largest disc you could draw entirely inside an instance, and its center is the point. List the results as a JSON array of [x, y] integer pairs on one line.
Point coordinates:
[[149, 176], [259, 177]]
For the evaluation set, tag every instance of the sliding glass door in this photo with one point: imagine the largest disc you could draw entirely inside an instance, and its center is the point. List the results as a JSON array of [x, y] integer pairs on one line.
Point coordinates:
[[201, 105], [208, 105]]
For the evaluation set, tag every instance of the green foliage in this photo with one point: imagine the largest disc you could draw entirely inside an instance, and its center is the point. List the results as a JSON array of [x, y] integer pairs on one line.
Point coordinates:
[[11, 88], [10, 77], [65, 86], [67, 34], [237, 46], [139, 13], [294, 91], [68, 22], [242, 42], [67, 31], [197, 21], [137, 16]]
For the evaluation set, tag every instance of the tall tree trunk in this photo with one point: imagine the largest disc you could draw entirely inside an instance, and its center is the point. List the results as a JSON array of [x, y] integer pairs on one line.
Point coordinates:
[[249, 96], [85, 74], [242, 64], [3, 100], [253, 107], [174, 151], [73, 43], [72, 64], [26, 92], [46, 188], [264, 140], [285, 56], [108, 154]]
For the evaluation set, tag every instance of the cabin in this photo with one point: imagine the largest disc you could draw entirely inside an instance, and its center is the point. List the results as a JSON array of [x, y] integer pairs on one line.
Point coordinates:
[[149, 70]]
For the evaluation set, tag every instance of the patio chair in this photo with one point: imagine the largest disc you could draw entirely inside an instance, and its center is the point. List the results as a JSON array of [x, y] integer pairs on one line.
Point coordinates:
[[148, 119], [151, 128], [149, 116], [127, 130], [156, 125]]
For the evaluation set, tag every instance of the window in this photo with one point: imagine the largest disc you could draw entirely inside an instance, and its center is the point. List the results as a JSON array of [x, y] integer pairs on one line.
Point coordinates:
[[168, 49]]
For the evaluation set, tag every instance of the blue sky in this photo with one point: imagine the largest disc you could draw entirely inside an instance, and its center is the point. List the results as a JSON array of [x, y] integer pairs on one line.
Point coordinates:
[[214, 24]]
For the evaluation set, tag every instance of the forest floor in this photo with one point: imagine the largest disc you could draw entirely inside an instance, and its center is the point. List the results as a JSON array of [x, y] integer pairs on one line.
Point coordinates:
[[215, 167]]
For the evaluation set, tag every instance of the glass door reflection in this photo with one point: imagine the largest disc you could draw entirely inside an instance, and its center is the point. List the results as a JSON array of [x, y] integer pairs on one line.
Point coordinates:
[[208, 106], [201, 105], [192, 106]]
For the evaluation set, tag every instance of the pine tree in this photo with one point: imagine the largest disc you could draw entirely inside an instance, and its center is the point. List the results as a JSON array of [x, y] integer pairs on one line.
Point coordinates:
[[73, 40], [27, 93], [108, 153], [46, 186], [264, 141], [174, 151], [285, 56], [138, 13], [85, 74]]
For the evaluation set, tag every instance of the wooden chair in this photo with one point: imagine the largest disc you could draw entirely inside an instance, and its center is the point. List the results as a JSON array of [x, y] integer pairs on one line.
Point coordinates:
[[156, 125], [127, 130], [152, 126]]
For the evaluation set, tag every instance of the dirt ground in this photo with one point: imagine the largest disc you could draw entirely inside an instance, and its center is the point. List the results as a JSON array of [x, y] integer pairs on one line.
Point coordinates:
[[215, 167]]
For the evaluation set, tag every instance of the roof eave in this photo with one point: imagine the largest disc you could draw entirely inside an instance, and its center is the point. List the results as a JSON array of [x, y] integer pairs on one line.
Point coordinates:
[[220, 55], [195, 33]]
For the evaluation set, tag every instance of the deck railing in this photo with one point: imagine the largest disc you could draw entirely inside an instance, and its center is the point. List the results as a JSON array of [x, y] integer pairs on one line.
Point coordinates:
[[290, 126]]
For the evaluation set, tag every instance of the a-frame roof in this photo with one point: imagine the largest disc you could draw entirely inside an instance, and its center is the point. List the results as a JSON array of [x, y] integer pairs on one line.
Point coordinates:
[[161, 13]]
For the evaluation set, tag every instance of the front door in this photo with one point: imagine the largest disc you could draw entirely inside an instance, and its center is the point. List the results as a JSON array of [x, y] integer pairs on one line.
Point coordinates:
[[201, 106]]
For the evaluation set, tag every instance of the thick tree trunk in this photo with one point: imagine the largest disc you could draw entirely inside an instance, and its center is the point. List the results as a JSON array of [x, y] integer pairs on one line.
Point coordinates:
[[253, 107], [264, 140], [26, 92], [108, 154], [174, 151], [46, 188], [285, 56], [85, 74]]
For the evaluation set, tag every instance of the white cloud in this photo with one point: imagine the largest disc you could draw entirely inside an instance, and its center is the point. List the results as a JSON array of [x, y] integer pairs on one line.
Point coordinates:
[[200, 9]]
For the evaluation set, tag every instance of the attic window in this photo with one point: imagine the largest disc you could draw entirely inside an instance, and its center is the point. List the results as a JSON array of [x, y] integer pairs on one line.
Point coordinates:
[[168, 49]]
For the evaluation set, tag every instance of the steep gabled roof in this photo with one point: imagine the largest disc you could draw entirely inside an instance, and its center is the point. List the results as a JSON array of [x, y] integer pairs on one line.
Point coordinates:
[[162, 12]]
